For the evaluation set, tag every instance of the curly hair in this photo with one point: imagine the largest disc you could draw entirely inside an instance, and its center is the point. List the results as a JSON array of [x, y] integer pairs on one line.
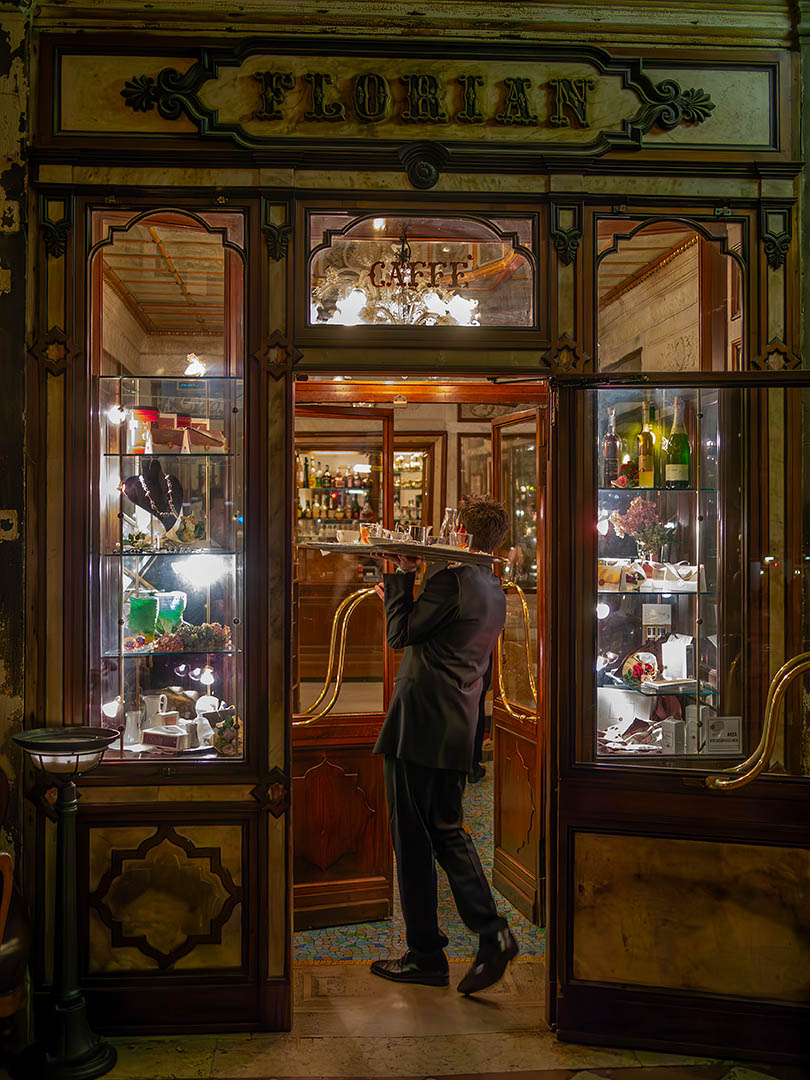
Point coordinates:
[[485, 519]]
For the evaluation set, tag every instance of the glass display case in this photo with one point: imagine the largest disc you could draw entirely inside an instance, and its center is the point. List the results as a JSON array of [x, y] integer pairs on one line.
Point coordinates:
[[412, 504], [168, 597], [668, 682]]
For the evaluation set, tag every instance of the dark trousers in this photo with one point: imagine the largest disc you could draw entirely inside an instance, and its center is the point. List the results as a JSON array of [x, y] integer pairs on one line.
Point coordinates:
[[478, 750], [424, 807]]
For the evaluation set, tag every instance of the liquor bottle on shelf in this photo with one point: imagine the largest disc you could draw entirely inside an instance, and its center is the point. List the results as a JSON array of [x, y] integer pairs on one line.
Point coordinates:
[[355, 508], [306, 472], [611, 451], [326, 479], [318, 476], [367, 513], [339, 481], [678, 453], [646, 448], [308, 510]]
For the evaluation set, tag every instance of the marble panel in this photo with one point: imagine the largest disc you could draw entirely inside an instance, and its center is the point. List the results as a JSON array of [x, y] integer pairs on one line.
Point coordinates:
[[729, 919]]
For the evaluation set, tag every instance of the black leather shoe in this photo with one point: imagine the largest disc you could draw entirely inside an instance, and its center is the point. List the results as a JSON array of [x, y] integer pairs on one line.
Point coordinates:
[[490, 964], [427, 970], [478, 772]]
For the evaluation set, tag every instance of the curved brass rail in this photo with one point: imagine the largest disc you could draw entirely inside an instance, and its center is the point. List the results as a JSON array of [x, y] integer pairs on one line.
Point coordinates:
[[340, 623], [516, 711], [749, 770]]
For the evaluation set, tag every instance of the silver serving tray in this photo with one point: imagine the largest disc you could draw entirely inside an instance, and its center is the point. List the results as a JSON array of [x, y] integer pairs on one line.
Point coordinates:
[[428, 552]]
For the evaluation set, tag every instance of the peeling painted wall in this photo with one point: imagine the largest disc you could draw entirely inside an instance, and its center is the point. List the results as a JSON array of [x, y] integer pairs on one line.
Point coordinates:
[[13, 189]]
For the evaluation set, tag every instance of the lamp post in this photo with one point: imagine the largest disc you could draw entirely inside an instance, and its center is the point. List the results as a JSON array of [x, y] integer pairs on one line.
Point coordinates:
[[67, 1049]]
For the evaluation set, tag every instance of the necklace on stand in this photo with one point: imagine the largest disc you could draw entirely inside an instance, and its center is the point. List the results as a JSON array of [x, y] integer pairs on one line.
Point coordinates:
[[169, 497]]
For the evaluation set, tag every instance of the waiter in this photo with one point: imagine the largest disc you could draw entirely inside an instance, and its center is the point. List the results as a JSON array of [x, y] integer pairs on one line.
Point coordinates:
[[428, 737]]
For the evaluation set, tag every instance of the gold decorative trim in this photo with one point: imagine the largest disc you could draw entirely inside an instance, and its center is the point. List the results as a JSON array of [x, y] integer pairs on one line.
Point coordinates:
[[647, 272]]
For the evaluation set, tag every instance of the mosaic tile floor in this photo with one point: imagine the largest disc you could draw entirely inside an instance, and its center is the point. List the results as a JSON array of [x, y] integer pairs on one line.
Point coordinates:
[[363, 942]]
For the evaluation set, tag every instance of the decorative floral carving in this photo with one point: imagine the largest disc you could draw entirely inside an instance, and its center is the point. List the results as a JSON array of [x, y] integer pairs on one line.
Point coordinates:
[[278, 355], [566, 244], [140, 93], [277, 238], [55, 237], [669, 105], [776, 247]]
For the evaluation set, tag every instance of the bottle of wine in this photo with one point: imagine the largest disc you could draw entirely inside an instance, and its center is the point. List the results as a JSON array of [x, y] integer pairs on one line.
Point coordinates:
[[306, 472], [327, 476], [646, 450], [318, 476], [678, 452], [308, 510], [339, 479], [611, 451], [355, 508]]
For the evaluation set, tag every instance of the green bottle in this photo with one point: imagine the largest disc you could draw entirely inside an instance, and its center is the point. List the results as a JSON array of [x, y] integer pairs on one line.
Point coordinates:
[[678, 452]]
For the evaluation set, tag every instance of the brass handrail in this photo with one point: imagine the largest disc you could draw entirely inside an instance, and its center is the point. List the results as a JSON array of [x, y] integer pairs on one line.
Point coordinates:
[[518, 712], [748, 770], [341, 618]]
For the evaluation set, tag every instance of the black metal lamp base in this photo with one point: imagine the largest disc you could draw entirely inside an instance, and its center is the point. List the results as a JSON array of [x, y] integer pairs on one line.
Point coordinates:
[[36, 1063]]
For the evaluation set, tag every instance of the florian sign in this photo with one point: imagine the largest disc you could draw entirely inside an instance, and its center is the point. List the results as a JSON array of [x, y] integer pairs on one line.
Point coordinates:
[[426, 97], [316, 102]]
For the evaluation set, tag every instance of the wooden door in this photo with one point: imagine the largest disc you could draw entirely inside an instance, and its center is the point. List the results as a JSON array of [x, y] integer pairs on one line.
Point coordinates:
[[342, 866], [519, 702], [679, 849]]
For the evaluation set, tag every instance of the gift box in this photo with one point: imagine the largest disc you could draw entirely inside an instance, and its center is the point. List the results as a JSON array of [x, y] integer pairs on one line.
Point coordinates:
[[170, 737]]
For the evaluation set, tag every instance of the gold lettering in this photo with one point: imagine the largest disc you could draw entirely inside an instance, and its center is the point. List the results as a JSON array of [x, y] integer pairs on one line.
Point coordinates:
[[570, 94], [372, 97], [516, 109], [321, 109], [423, 99], [275, 85], [470, 114]]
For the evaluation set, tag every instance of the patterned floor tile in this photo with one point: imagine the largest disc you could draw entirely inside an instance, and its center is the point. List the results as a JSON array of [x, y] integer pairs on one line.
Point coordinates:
[[364, 941]]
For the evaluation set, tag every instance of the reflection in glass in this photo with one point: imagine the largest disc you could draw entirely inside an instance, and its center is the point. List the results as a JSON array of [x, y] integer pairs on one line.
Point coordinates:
[[656, 285], [420, 271]]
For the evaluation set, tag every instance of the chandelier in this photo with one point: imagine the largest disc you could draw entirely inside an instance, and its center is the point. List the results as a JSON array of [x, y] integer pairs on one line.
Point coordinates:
[[356, 298]]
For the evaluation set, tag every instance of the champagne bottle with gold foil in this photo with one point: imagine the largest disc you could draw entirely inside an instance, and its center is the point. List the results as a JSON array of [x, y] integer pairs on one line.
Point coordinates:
[[678, 458]]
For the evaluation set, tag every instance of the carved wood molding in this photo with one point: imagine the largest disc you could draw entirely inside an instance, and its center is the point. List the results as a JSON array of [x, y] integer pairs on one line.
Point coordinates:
[[776, 231], [323, 835], [278, 355], [55, 234], [566, 239], [776, 356], [566, 358], [98, 899], [54, 351], [276, 236]]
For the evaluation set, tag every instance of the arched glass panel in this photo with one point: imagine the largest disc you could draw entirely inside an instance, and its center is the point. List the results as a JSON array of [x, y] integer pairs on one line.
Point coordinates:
[[397, 270], [669, 296]]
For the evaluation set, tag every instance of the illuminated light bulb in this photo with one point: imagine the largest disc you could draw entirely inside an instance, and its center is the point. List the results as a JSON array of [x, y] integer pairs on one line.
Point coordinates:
[[626, 459], [195, 674], [207, 676], [602, 611], [194, 365], [201, 571], [181, 670], [379, 223], [116, 414], [769, 558], [112, 708]]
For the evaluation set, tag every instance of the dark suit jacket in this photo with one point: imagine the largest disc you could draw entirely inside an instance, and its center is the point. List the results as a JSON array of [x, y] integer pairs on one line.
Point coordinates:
[[448, 634]]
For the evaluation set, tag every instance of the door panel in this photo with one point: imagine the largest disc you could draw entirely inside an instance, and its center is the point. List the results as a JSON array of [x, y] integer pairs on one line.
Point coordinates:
[[342, 863], [519, 465], [674, 898]]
